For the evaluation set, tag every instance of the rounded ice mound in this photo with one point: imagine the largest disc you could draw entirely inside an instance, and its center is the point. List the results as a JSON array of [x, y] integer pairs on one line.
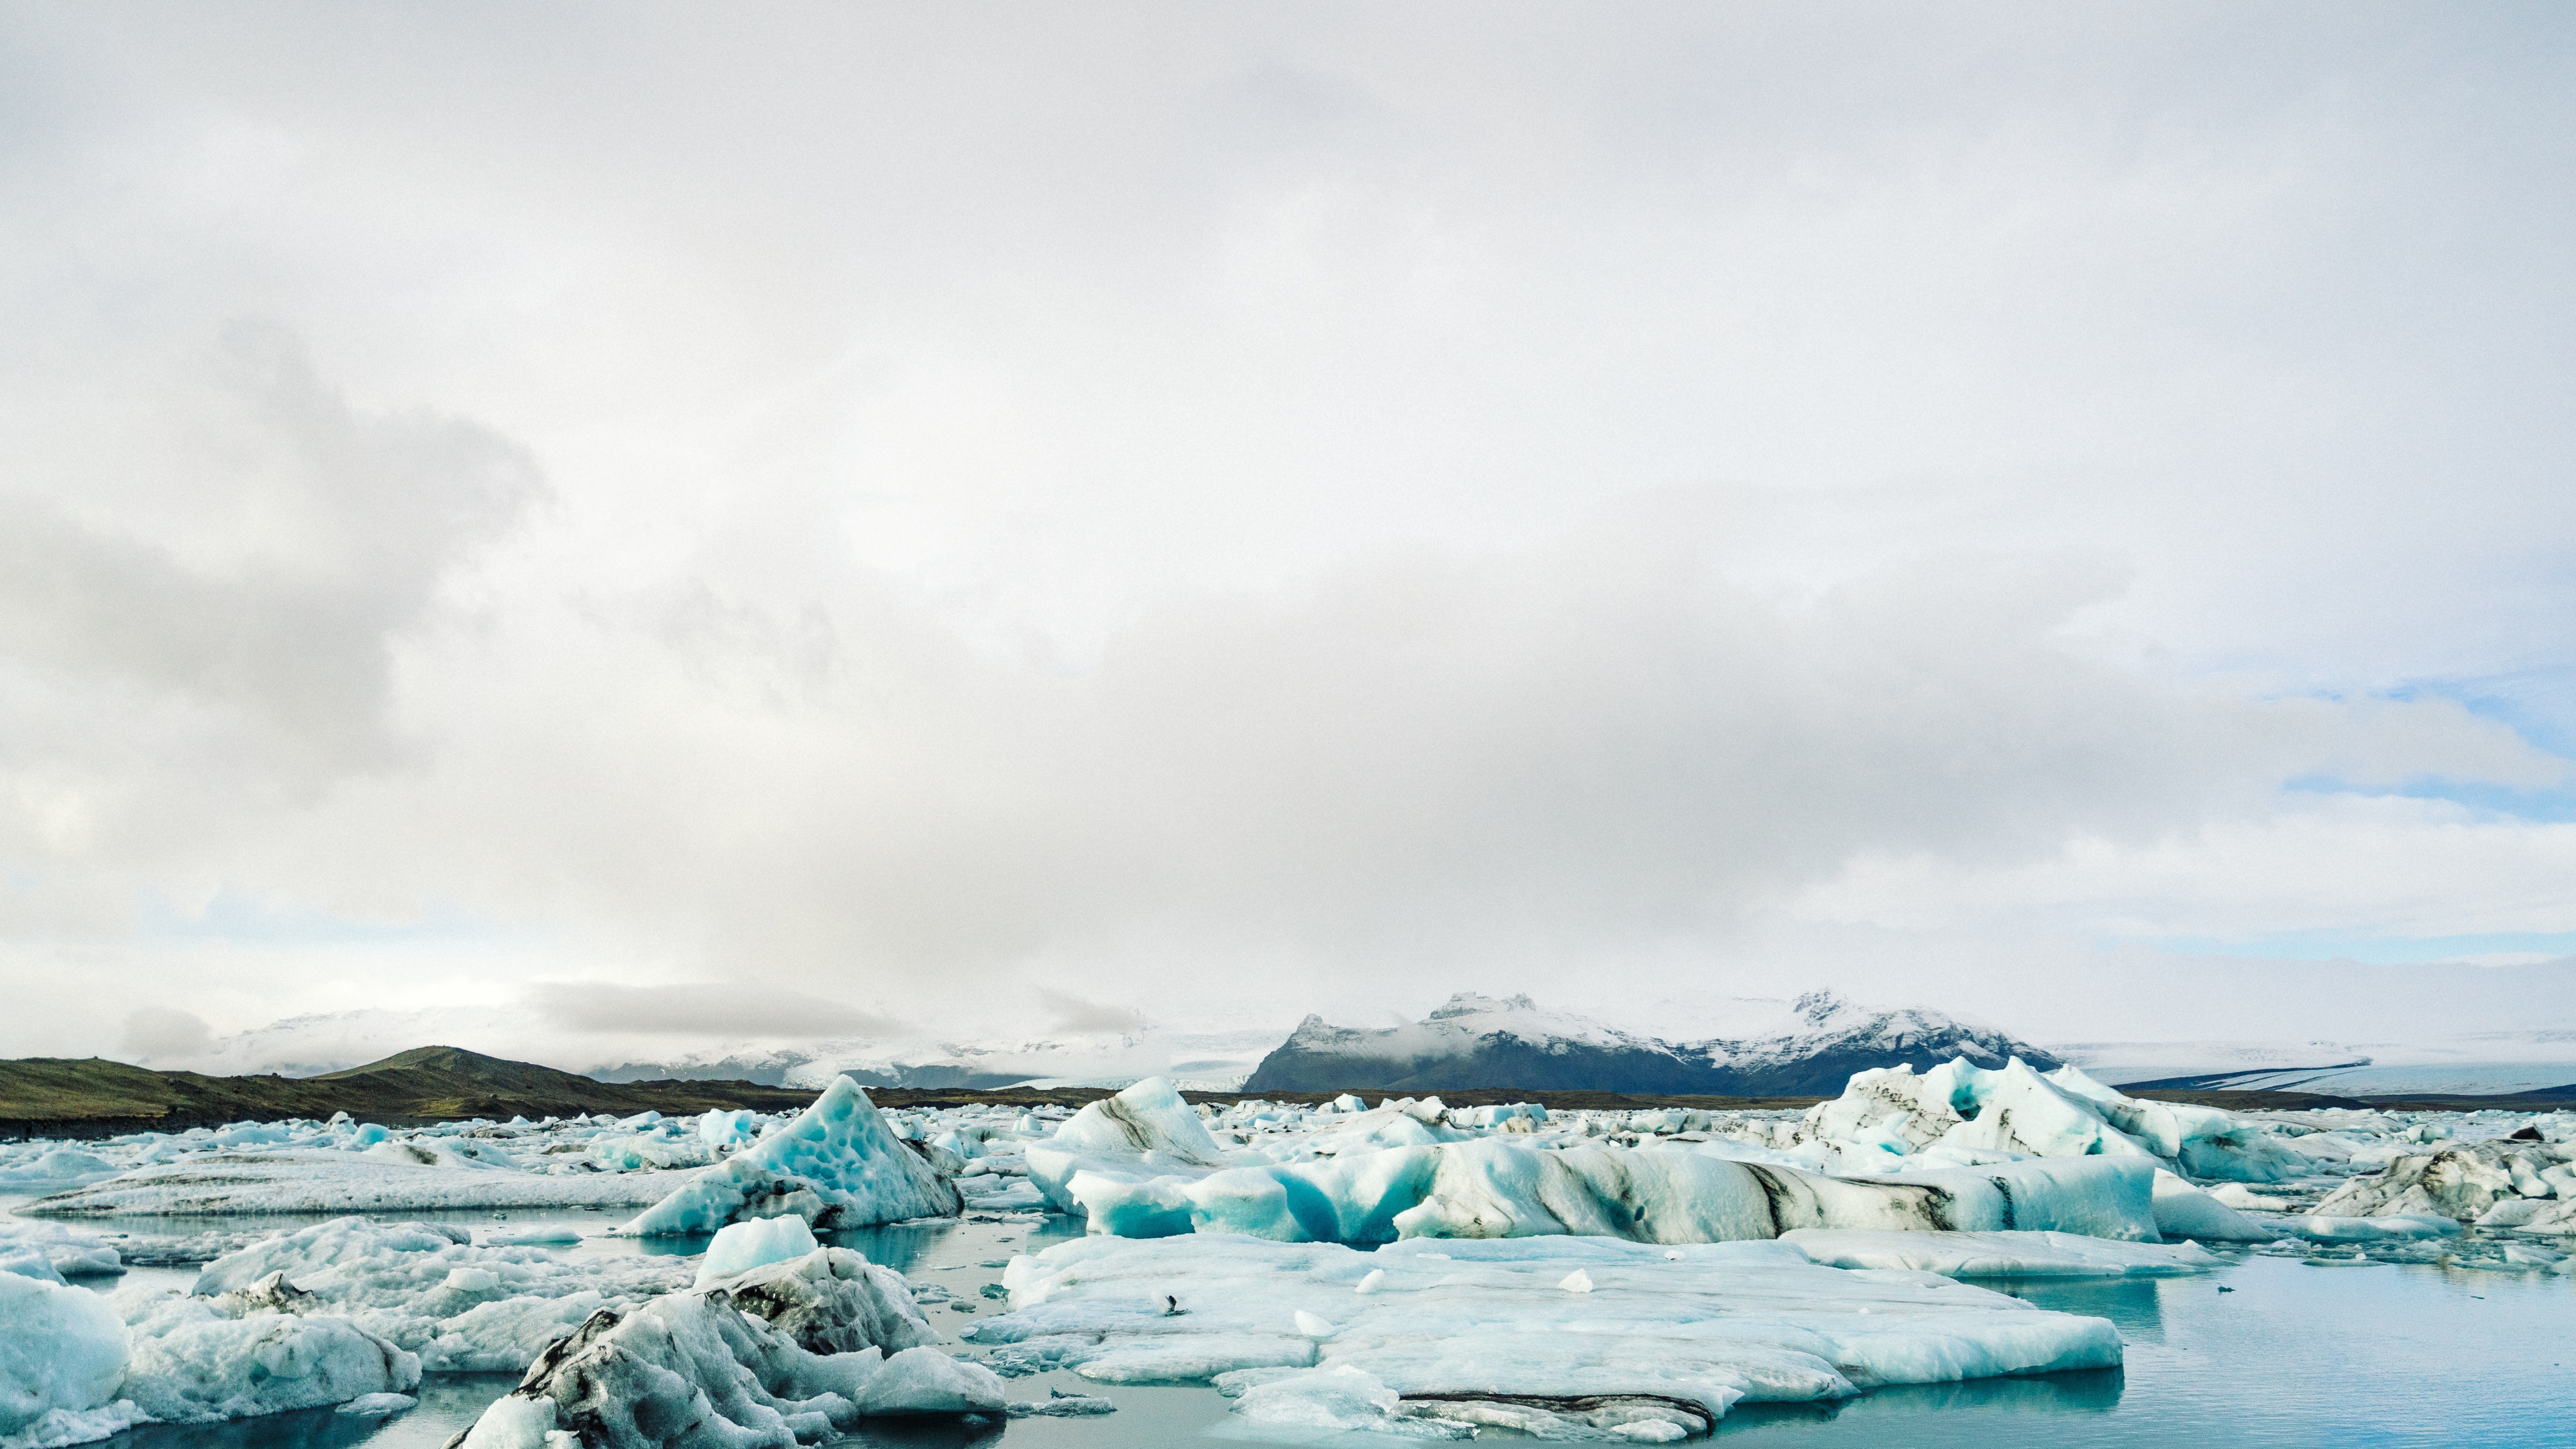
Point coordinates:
[[191, 1365], [62, 1352], [741, 1247]]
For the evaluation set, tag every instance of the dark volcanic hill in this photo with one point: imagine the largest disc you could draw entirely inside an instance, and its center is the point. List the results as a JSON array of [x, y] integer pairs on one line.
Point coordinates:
[[61, 1097], [1478, 1042]]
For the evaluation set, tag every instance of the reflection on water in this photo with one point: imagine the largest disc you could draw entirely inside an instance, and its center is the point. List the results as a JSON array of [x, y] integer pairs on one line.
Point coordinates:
[[2085, 1391]]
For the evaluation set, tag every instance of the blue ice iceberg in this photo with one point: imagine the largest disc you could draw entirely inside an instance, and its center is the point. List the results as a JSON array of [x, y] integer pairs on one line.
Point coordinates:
[[835, 1166]]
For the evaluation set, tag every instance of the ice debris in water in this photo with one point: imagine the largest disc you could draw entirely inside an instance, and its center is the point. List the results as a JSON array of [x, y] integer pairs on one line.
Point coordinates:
[[429, 1289], [835, 1166], [1484, 1332]]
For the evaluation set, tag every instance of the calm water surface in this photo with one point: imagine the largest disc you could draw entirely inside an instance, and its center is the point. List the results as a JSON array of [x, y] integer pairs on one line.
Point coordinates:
[[2296, 1355]]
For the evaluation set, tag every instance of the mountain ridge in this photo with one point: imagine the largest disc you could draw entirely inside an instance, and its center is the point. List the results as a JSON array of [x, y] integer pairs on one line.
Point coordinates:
[[57, 1096], [1477, 1041]]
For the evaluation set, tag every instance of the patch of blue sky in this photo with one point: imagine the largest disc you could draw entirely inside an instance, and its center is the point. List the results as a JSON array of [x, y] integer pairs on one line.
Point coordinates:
[[2552, 806], [2539, 705], [241, 918], [2376, 949]]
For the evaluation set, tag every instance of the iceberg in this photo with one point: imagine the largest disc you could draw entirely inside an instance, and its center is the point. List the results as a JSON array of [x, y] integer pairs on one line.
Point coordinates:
[[836, 1166], [1964, 1110], [1485, 1331], [2460, 1183], [831, 1300], [192, 1364], [2184, 1211], [1144, 1133], [1495, 1188], [703, 1366]]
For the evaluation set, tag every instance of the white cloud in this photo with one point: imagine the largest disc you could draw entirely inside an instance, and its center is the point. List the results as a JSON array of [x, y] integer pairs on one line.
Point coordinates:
[[1213, 508]]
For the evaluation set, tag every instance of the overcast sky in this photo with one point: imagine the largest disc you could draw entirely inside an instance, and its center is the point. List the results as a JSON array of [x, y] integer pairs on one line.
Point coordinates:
[[829, 516]]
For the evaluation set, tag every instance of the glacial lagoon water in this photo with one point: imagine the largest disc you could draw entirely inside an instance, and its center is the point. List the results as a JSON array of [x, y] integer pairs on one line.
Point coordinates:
[[2294, 1354]]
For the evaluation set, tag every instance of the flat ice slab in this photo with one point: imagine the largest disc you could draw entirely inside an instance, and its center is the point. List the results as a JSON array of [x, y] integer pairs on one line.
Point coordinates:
[[2001, 1255], [321, 1180], [1488, 1331]]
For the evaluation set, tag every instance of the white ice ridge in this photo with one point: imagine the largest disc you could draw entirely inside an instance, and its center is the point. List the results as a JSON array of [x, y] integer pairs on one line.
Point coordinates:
[[324, 1180], [1487, 1332], [836, 1166]]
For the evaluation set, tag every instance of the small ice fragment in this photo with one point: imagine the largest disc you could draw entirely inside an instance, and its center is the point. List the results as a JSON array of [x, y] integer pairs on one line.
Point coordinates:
[[377, 1406], [1577, 1281], [741, 1247], [1375, 1280], [1315, 1326]]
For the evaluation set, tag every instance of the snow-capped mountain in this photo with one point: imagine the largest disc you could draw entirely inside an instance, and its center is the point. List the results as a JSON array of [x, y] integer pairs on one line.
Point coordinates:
[[1480, 1041]]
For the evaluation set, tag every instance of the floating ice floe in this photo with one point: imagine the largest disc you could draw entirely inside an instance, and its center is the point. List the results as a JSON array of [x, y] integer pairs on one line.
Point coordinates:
[[1456, 1333], [2001, 1255], [835, 1166]]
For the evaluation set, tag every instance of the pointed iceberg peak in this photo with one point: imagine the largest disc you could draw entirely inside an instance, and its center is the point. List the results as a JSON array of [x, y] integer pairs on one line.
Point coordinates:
[[1147, 1117], [836, 1166]]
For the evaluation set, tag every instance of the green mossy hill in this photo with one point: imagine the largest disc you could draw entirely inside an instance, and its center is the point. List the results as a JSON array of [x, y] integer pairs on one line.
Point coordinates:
[[56, 1096]]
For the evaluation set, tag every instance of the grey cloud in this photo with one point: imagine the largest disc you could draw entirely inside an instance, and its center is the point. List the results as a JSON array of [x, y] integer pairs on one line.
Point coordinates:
[[165, 1035], [708, 1009], [1071, 1013], [1238, 502], [307, 537]]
